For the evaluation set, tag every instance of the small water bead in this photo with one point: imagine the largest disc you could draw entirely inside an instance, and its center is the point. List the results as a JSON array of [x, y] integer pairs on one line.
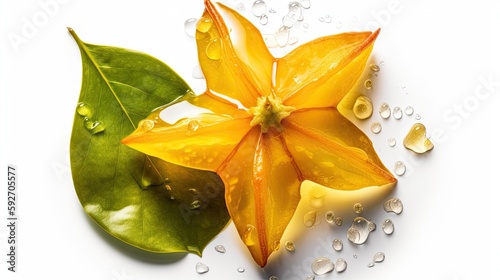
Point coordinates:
[[416, 139], [379, 257], [293, 40], [340, 265], [310, 218], [374, 67], [195, 204], [328, 19], [397, 113], [363, 107], [282, 36], [385, 110], [259, 8], [272, 10], [202, 268], [357, 208], [391, 142], [193, 191], [394, 205], [274, 278], [368, 84], [170, 192], [330, 217], [288, 21], [295, 11], [370, 264], [249, 235], [190, 26], [240, 269], [388, 226], [214, 49], [270, 40], [399, 168], [146, 125], [339, 221], [93, 127], [193, 126], [322, 265], [337, 245], [264, 19], [290, 246], [417, 117], [376, 127], [338, 24], [204, 24], [276, 245], [355, 256], [360, 230], [220, 249], [409, 110], [310, 277], [84, 110], [317, 198]]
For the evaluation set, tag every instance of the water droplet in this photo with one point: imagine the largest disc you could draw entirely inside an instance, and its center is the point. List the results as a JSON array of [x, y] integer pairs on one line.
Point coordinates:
[[274, 278], [370, 265], [293, 40], [170, 193], [272, 10], [330, 217], [360, 230], [240, 269], [202, 268], [305, 25], [388, 226], [379, 257], [306, 4], [270, 40], [197, 73], [322, 265], [368, 84], [358, 208], [193, 126], [276, 245], [190, 26], [249, 235], [417, 117], [220, 248], [337, 245], [288, 21], [146, 125], [382, 62], [264, 19], [317, 198], [397, 113], [259, 8], [385, 110], [193, 191], [340, 265], [93, 127], [310, 277], [363, 107], [290, 246], [394, 205], [374, 67], [339, 221], [282, 36], [310, 218], [416, 140], [355, 256], [295, 11], [338, 24], [391, 142], [328, 19], [195, 204], [84, 110], [409, 110], [376, 127], [204, 24], [214, 49], [399, 168]]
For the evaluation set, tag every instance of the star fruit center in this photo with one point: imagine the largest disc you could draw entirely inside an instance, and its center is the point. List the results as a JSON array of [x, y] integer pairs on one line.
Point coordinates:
[[269, 112]]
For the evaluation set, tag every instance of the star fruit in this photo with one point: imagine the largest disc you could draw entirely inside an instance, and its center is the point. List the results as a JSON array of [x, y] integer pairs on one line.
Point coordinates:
[[272, 124]]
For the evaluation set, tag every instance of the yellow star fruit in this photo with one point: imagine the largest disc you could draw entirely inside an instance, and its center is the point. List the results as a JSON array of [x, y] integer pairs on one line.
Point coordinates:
[[285, 129]]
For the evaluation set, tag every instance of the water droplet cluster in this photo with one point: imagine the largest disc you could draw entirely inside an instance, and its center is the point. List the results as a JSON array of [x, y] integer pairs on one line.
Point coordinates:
[[86, 111]]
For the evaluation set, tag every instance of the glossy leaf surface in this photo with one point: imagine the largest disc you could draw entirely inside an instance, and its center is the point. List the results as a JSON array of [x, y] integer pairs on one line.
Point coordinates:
[[144, 201]]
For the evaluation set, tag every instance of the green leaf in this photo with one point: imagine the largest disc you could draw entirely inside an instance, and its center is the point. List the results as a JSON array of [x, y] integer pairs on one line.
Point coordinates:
[[143, 201]]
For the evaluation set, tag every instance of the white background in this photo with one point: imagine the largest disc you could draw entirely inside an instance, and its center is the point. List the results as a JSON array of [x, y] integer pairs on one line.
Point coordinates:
[[436, 57]]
